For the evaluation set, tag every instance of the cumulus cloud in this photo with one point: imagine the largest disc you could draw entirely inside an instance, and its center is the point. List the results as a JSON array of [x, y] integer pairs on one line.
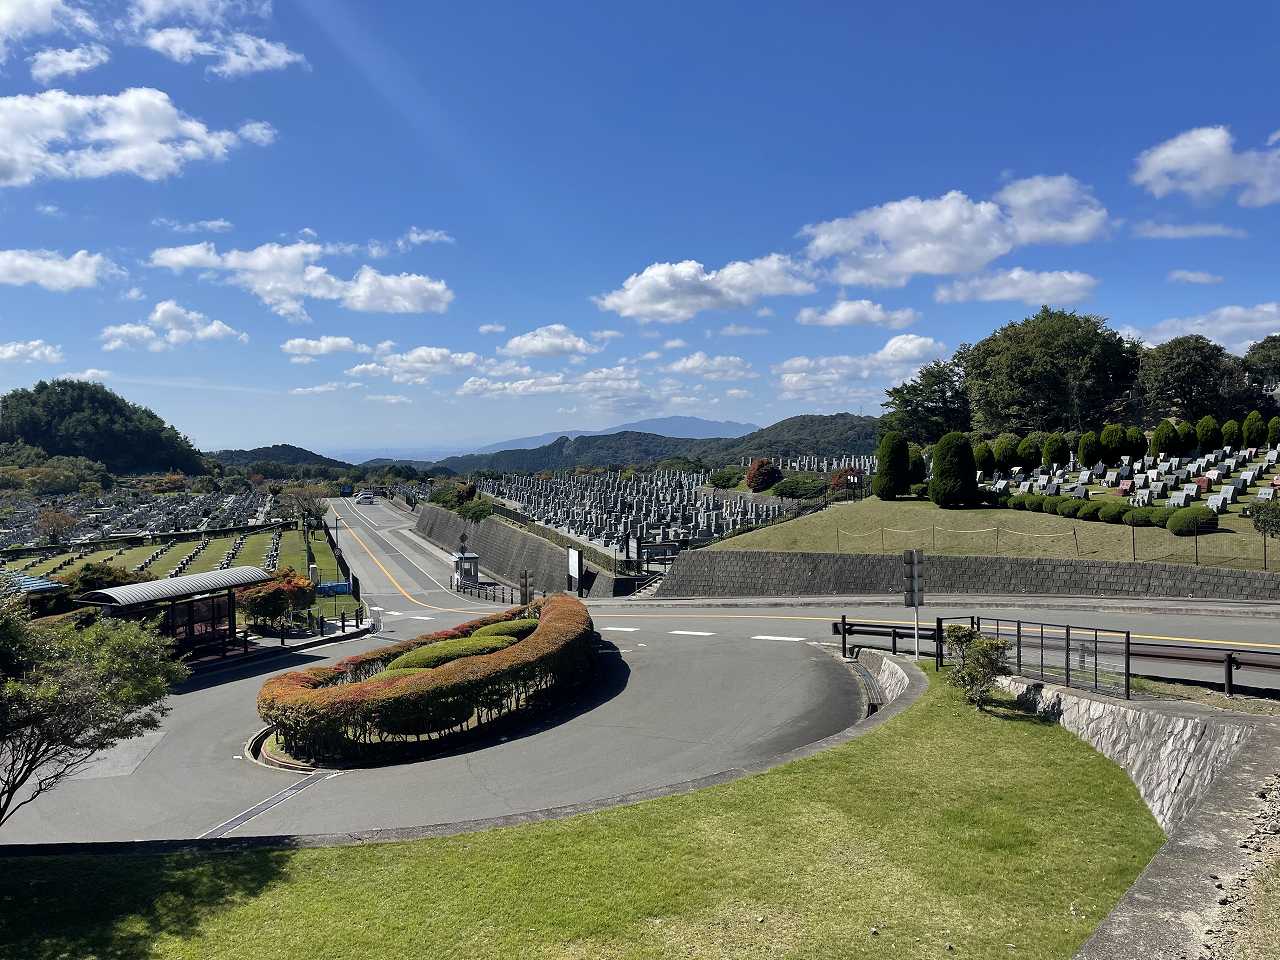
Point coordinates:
[[414, 237], [259, 132], [194, 226], [952, 234], [1235, 327], [415, 366], [1193, 276], [553, 340], [52, 271], [390, 398], [824, 378], [284, 276], [675, 292], [1204, 162], [168, 326], [322, 346], [56, 135], [618, 388], [234, 54], [699, 364], [1185, 231], [850, 313], [737, 393], [30, 351], [1029, 286], [492, 328], [213, 12], [602, 335], [22, 19], [49, 65], [742, 330], [326, 388], [91, 375]]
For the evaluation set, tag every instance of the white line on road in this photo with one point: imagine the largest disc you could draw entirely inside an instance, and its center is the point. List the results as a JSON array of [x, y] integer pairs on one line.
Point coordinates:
[[765, 636], [691, 633], [622, 629], [422, 618]]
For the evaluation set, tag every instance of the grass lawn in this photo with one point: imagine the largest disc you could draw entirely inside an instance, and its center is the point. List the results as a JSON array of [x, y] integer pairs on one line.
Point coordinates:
[[879, 526], [944, 826], [1259, 936]]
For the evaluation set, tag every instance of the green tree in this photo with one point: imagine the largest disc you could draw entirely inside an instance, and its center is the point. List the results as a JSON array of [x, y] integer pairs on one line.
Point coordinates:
[[1266, 517], [983, 458], [1055, 370], [1189, 375], [1056, 451], [726, 478], [1208, 434], [1029, 452], [1005, 450], [1255, 430], [1273, 431], [954, 481], [1231, 434], [1112, 441], [1263, 360], [1164, 440], [68, 694], [893, 467], [1090, 450], [979, 660], [1135, 442], [1186, 438], [918, 467], [935, 402]]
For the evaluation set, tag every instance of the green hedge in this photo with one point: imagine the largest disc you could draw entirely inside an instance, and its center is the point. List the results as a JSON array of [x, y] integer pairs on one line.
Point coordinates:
[[355, 711], [436, 654], [1089, 510], [1113, 511], [519, 629], [1183, 522], [1070, 508]]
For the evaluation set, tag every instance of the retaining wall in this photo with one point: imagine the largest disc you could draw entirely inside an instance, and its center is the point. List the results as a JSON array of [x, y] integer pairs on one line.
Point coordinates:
[[760, 573], [505, 551]]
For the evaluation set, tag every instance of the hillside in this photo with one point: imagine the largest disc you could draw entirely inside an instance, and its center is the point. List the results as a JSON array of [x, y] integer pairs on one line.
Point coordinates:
[[285, 453], [696, 428], [823, 435], [71, 418]]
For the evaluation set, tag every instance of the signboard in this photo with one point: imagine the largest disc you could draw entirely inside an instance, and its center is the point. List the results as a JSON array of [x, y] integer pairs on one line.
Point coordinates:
[[575, 569], [333, 588]]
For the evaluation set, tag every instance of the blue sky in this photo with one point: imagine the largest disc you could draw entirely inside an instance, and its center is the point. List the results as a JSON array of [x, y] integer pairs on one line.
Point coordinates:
[[356, 225]]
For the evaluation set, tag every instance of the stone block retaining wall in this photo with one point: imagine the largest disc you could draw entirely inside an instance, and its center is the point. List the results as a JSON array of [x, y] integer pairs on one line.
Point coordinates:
[[760, 573]]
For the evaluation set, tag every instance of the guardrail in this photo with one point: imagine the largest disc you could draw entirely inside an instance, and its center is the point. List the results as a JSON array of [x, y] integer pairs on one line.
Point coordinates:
[[493, 592], [1091, 658]]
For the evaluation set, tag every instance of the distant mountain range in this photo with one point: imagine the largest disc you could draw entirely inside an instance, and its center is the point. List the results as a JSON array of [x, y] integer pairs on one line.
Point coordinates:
[[285, 453], [822, 435]]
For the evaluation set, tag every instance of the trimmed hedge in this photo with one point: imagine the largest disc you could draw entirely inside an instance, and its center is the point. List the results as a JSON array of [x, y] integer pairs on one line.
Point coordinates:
[[1113, 511], [1070, 508], [1089, 510], [353, 710], [519, 629], [1183, 522], [436, 654], [1033, 502]]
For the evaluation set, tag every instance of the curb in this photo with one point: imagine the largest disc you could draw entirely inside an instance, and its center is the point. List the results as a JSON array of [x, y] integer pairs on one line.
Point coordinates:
[[253, 750]]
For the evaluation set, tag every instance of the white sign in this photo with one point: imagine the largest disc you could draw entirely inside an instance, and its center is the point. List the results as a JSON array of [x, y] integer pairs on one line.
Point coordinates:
[[575, 563]]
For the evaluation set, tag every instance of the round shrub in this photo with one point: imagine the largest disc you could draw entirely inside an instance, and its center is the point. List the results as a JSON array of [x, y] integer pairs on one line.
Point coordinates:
[[1208, 434], [509, 628], [1231, 434], [1160, 515], [1186, 438], [1273, 432], [1254, 430], [893, 467], [1089, 510], [1055, 452], [1070, 508], [1183, 523], [436, 654], [800, 488], [1050, 504], [1113, 443], [1113, 511], [1005, 451], [726, 478], [954, 482], [1137, 517], [983, 458], [1017, 502], [1033, 502], [1090, 450], [1135, 442], [1029, 452], [1164, 441]]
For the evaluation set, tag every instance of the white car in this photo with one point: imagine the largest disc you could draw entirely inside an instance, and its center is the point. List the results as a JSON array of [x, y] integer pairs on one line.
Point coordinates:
[[364, 498]]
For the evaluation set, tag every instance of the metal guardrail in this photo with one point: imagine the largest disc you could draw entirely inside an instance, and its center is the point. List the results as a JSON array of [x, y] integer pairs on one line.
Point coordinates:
[[1090, 658]]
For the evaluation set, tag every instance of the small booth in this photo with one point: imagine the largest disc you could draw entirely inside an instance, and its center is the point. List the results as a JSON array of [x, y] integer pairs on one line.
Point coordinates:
[[466, 567]]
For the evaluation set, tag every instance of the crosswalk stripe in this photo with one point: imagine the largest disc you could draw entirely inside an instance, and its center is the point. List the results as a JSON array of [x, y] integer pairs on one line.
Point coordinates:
[[765, 636], [692, 633]]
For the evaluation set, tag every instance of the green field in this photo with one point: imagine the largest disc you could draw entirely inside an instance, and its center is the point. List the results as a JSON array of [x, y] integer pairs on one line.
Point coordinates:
[[944, 826], [878, 526]]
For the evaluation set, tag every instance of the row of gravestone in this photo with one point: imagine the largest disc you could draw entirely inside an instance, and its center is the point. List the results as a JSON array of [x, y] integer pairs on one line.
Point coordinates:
[[856, 464]]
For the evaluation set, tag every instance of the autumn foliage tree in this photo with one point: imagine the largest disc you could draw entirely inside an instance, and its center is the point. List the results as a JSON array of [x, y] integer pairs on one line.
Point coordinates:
[[762, 474]]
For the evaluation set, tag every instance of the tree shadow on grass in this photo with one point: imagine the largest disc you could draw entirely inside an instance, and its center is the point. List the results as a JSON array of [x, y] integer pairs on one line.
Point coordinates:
[[119, 907], [1014, 712]]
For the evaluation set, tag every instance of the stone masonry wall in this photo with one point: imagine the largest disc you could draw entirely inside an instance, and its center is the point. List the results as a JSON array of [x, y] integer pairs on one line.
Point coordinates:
[[892, 678], [505, 551], [759, 573], [1171, 759]]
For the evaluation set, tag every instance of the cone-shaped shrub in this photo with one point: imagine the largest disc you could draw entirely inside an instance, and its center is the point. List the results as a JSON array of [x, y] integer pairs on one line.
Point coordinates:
[[1164, 441], [1255, 430], [893, 467], [1090, 450], [1055, 451], [1231, 434], [1208, 434], [954, 482]]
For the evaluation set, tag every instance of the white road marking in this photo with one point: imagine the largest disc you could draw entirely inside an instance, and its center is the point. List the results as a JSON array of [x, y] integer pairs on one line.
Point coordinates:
[[641, 644], [765, 636], [394, 613], [691, 633], [422, 618], [622, 629]]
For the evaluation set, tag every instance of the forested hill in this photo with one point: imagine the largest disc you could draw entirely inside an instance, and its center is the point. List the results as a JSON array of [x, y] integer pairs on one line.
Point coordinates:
[[284, 453], [823, 435], [69, 418]]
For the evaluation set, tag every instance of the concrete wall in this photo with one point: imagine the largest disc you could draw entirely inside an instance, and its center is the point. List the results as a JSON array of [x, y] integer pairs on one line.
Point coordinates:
[[505, 551], [1171, 756], [750, 573]]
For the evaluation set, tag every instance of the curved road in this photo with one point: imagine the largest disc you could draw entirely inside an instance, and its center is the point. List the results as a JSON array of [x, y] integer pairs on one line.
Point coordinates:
[[687, 691]]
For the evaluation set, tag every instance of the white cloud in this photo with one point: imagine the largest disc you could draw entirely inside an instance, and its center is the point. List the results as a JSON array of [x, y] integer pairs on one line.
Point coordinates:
[[712, 368], [91, 375], [415, 366], [414, 237], [210, 12], [284, 276], [617, 388], [742, 330], [492, 328], [318, 388], [235, 54], [259, 132], [321, 346], [133, 293], [553, 340], [31, 351], [1029, 286], [390, 398], [889, 244], [168, 326], [603, 335], [49, 209], [1204, 161], [49, 65], [674, 344], [834, 377], [48, 269], [737, 393], [849, 313], [56, 135], [674, 292], [1185, 231], [195, 226], [1235, 327], [20, 19], [1193, 276]]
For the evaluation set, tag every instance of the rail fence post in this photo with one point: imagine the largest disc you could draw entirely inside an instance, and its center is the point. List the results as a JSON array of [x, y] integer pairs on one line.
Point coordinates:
[[844, 634], [937, 643], [1228, 684], [1095, 658], [1126, 664], [1019, 628], [893, 642], [1067, 656]]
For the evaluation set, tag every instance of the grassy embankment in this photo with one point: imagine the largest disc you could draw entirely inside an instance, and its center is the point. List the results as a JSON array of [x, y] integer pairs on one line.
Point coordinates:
[[996, 833]]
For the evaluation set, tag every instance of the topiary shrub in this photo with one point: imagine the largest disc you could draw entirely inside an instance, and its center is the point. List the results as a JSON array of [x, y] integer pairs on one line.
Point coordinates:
[[1089, 510], [1055, 451], [1030, 452], [1208, 434], [983, 458], [1254, 430], [917, 468], [1113, 443], [800, 488], [1005, 451], [1137, 517], [1186, 438], [1113, 511], [1090, 450], [954, 481], [1185, 521], [1070, 508], [519, 629], [1273, 432], [761, 475], [1231, 434], [436, 654], [893, 467], [1050, 504], [1160, 515], [1033, 502], [1164, 441], [1135, 442], [726, 478], [1018, 502]]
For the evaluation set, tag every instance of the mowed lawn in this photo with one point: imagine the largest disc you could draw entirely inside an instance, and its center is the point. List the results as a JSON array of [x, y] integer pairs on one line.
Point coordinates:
[[879, 526], [999, 834]]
